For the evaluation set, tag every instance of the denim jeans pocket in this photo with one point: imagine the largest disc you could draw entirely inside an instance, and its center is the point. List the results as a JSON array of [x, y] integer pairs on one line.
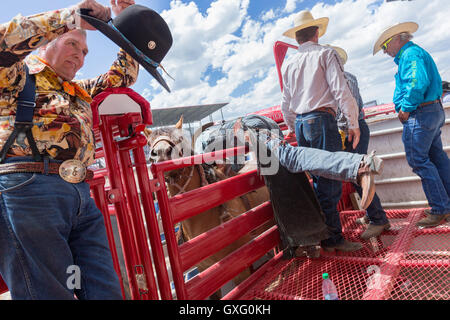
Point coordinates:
[[427, 119], [312, 128], [15, 181]]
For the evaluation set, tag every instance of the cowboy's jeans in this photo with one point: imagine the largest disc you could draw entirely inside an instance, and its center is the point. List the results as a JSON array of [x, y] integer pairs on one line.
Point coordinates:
[[319, 130], [375, 212], [53, 243], [340, 166], [425, 155]]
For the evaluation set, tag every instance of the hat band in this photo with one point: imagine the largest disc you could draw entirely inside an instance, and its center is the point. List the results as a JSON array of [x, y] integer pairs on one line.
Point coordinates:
[[137, 51]]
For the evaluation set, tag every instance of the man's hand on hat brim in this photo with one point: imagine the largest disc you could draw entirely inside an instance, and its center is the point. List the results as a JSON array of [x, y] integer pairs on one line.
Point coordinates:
[[118, 6], [96, 10]]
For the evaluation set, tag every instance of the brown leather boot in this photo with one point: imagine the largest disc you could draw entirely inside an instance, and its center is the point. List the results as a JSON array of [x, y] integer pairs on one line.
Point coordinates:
[[432, 220], [374, 163], [374, 230], [308, 251]]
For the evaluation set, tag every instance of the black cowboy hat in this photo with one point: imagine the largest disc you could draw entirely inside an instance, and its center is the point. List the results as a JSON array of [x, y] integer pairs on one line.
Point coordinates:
[[141, 32]]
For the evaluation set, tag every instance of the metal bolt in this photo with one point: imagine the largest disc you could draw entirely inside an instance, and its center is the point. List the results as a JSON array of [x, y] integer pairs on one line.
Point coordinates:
[[112, 196], [157, 184]]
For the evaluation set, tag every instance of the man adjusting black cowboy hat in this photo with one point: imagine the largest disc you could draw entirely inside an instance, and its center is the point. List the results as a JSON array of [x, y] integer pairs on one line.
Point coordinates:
[[141, 32]]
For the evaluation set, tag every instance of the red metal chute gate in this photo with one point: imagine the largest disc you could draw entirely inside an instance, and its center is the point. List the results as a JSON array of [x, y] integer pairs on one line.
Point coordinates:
[[403, 263]]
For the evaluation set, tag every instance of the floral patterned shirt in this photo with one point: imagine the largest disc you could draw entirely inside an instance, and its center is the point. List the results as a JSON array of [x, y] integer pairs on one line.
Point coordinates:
[[62, 116]]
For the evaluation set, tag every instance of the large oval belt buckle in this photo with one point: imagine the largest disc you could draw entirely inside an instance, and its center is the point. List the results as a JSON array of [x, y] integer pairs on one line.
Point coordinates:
[[72, 171]]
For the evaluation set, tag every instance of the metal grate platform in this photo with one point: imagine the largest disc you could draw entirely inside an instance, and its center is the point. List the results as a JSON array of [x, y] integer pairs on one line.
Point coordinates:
[[404, 263]]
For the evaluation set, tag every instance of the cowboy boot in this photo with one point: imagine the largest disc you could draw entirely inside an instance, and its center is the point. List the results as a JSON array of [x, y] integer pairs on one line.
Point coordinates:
[[374, 230], [312, 251], [374, 163], [367, 182], [432, 220], [370, 165]]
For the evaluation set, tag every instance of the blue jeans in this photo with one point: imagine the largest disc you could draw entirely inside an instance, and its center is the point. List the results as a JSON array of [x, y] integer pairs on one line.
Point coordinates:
[[340, 166], [375, 212], [53, 242], [425, 155], [319, 130]]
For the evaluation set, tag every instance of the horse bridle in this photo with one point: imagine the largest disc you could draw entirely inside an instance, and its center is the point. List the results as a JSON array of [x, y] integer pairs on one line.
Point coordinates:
[[169, 179], [169, 141]]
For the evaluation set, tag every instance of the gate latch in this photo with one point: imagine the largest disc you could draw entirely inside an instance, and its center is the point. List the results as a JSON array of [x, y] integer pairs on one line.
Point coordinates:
[[140, 279]]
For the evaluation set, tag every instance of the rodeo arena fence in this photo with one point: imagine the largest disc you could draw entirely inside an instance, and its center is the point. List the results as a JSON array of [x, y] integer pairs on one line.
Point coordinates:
[[403, 263]]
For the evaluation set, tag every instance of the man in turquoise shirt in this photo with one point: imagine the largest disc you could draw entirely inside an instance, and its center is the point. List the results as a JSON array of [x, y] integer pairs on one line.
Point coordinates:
[[418, 90], [417, 79]]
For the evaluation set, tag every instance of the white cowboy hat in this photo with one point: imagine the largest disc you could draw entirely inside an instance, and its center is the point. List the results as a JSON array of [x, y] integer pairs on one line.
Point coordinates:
[[304, 19], [410, 27], [341, 52]]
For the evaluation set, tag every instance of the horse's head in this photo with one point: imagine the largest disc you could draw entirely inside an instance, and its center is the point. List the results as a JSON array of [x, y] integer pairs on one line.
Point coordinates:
[[168, 143]]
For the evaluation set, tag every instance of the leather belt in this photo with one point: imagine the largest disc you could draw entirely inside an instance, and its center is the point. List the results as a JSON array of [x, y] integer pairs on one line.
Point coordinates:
[[72, 171], [429, 102], [326, 109]]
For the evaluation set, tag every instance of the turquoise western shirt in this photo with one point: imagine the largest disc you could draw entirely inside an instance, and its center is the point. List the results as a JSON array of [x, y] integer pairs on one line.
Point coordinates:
[[417, 80]]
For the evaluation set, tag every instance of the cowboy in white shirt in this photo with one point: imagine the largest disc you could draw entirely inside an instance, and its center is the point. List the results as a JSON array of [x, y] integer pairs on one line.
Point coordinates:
[[313, 87]]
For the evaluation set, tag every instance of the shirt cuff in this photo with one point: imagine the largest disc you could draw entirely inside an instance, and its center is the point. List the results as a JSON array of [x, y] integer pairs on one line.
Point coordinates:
[[353, 125], [68, 17], [408, 108]]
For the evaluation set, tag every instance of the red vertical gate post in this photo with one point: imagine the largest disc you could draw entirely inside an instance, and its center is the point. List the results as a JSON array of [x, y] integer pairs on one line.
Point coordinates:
[[97, 186], [279, 50], [123, 111], [115, 196], [132, 195], [153, 231], [168, 225]]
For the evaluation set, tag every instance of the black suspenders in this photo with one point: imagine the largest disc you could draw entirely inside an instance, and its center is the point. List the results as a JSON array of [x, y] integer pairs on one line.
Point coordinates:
[[24, 119]]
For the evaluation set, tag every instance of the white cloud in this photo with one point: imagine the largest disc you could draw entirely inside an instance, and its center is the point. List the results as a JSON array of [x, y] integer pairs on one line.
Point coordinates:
[[268, 15], [291, 5], [239, 49]]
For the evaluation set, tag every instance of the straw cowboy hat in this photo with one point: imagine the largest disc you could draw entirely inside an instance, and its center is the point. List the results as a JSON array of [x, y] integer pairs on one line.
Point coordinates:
[[141, 32], [409, 27], [304, 19], [341, 52]]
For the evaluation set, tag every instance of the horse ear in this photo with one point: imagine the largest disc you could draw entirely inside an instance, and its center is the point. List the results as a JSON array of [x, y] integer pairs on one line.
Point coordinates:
[[179, 124], [237, 126], [147, 132]]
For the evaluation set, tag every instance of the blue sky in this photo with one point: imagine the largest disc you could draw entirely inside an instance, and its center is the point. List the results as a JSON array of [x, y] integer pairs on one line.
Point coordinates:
[[222, 49]]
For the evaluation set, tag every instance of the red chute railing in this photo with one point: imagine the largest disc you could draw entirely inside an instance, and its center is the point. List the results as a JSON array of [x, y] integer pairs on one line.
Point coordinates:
[[189, 204]]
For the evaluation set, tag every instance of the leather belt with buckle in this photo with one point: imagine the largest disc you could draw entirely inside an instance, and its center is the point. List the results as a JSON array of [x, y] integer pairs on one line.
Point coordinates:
[[73, 171], [328, 110]]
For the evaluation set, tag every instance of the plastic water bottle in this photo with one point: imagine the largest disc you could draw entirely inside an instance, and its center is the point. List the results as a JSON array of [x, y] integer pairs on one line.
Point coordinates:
[[328, 288]]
